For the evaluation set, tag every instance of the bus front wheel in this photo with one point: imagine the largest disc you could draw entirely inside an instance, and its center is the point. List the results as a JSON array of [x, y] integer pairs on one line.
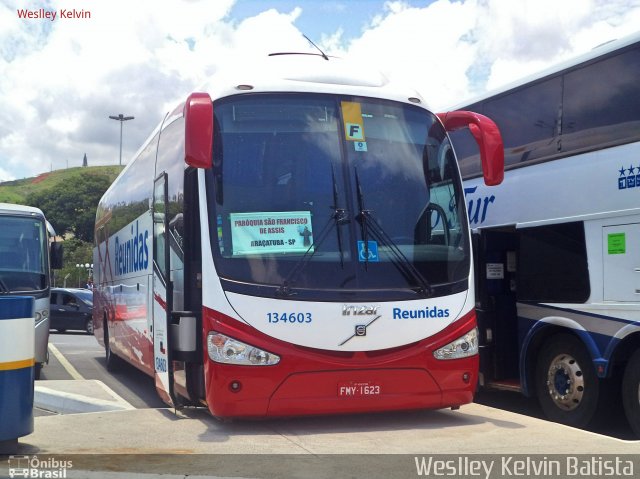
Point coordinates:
[[566, 383], [631, 392]]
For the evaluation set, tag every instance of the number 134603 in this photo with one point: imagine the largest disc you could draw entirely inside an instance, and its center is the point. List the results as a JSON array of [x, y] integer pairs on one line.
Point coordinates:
[[289, 318]]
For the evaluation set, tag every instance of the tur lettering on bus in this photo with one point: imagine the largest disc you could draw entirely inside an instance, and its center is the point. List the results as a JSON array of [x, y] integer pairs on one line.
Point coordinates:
[[481, 204]]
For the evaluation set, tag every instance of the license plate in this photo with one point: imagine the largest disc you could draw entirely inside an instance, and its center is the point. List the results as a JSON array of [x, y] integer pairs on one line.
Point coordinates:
[[359, 389]]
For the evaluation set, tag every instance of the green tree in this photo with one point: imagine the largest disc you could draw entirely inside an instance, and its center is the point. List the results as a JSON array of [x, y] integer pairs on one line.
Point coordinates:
[[71, 206], [76, 252]]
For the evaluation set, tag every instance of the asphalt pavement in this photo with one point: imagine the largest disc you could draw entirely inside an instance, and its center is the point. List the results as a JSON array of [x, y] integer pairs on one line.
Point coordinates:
[[102, 435], [93, 431]]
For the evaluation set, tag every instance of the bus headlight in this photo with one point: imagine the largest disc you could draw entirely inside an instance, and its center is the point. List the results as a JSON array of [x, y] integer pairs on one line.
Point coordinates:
[[41, 315], [223, 349], [462, 347]]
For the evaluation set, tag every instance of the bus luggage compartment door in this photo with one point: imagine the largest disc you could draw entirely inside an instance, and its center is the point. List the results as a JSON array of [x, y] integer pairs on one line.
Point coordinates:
[[621, 270]]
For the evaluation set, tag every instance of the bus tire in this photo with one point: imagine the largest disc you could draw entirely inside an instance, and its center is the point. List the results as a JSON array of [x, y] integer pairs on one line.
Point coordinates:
[[631, 392], [37, 371], [566, 383], [111, 360]]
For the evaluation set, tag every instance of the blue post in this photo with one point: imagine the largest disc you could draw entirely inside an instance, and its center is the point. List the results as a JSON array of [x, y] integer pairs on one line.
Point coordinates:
[[17, 339]]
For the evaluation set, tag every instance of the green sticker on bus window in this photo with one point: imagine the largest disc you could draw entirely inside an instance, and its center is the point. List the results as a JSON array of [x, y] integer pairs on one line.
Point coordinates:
[[260, 232], [616, 243]]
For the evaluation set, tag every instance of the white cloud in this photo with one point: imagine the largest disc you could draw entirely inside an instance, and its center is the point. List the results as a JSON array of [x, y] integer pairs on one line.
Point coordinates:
[[521, 38], [60, 80], [5, 175], [422, 46], [452, 50]]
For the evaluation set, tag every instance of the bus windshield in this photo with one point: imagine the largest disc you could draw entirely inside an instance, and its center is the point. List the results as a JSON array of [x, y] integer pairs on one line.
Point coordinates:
[[317, 195], [23, 254]]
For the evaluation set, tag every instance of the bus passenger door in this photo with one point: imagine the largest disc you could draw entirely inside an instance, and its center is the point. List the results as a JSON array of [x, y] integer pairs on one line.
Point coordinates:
[[162, 294], [495, 264]]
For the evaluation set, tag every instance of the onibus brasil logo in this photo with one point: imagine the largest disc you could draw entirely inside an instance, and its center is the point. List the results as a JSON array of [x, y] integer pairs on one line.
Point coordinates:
[[33, 467]]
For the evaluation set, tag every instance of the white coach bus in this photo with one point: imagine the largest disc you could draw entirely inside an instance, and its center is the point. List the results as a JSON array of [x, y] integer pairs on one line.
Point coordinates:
[[558, 242], [293, 241]]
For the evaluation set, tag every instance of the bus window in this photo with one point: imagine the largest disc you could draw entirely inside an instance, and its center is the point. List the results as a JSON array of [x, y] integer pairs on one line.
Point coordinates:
[[597, 112], [553, 264], [282, 159], [528, 119]]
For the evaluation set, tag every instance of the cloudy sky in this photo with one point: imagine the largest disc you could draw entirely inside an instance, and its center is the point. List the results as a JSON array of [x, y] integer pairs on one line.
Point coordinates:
[[61, 78]]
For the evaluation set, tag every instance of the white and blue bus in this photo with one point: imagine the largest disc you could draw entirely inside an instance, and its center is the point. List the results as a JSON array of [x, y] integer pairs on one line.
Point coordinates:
[[557, 244], [28, 252]]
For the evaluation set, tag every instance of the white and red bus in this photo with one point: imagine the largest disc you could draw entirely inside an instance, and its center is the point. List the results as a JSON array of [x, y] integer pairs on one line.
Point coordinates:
[[295, 241]]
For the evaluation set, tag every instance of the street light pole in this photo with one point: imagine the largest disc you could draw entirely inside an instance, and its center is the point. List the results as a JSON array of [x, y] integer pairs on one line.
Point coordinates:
[[83, 266], [121, 118]]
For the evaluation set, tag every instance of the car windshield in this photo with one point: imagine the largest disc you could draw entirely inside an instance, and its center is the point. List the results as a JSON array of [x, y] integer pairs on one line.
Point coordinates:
[[321, 195], [85, 296], [23, 254]]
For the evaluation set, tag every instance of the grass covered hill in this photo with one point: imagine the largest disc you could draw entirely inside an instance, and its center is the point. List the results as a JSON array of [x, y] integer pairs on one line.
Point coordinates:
[[69, 199], [18, 190]]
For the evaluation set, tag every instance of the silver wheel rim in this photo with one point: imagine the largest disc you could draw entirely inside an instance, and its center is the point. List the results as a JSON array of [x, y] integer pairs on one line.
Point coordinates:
[[565, 382]]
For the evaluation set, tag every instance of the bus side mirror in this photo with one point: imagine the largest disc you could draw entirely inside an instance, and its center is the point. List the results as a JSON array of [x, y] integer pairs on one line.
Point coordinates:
[[198, 130], [55, 255], [487, 135]]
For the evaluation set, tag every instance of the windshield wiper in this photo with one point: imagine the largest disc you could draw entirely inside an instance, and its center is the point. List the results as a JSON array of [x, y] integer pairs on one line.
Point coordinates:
[[368, 224], [337, 219], [4, 289], [339, 215], [363, 218]]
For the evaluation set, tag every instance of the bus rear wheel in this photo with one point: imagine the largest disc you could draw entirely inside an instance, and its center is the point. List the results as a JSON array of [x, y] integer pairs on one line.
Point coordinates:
[[566, 384], [631, 392]]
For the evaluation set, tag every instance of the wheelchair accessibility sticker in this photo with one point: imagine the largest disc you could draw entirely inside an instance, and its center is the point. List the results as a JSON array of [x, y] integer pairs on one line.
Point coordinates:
[[371, 255]]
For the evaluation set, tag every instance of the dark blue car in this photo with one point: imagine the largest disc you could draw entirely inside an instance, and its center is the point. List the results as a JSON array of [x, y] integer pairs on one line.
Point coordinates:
[[71, 308]]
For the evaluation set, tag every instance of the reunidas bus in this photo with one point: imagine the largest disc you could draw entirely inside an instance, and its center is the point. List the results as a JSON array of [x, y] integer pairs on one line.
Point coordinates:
[[26, 259], [558, 242], [294, 241]]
